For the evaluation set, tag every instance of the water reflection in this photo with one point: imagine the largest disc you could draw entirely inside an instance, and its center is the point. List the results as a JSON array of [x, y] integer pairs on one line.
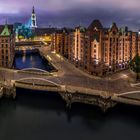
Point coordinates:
[[39, 115], [24, 58], [31, 60]]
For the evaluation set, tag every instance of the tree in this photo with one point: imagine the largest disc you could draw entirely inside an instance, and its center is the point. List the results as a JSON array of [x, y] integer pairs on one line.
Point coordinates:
[[135, 65]]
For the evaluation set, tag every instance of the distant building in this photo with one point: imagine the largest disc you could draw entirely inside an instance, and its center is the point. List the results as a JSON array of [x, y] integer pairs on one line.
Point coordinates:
[[61, 42], [26, 30], [98, 50], [7, 44], [78, 44], [44, 34], [111, 49]]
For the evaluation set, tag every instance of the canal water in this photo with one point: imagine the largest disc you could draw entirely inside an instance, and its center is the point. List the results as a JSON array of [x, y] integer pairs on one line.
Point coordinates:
[[36, 115], [44, 116], [31, 59]]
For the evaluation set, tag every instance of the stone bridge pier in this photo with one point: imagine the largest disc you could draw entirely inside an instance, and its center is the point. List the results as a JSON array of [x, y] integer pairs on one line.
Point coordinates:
[[9, 90], [103, 103]]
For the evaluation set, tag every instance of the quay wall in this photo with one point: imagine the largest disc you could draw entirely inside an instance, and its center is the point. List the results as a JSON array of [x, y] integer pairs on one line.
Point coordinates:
[[73, 94]]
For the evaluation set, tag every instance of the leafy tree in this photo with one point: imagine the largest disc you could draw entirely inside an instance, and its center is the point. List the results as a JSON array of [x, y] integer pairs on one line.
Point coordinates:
[[135, 65]]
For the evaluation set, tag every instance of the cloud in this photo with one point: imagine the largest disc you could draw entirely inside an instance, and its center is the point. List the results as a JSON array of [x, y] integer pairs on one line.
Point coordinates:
[[73, 12], [59, 5]]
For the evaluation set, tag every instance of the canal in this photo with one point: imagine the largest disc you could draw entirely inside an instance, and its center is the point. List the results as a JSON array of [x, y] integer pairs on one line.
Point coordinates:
[[40, 115], [31, 59], [36, 115]]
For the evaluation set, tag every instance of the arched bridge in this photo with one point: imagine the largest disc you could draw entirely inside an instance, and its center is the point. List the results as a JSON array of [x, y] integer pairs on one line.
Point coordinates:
[[128, 93], [25, 48], [132, 97], [34, 71], [29, 43], [38, 84]]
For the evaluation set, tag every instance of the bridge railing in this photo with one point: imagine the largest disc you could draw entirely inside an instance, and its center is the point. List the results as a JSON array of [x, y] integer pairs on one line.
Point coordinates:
[[37, 81], [127, 93], [35, 71]]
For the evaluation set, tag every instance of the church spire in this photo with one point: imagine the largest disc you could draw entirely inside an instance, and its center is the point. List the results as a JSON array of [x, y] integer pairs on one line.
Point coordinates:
[[33, 19], [33, 11]]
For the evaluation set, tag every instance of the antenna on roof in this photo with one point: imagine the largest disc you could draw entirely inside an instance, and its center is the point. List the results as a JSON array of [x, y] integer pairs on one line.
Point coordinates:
[[6, 21], [80, 24]]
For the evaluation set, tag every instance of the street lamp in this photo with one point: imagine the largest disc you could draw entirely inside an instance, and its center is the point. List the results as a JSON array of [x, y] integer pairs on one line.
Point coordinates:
[[76, 62]]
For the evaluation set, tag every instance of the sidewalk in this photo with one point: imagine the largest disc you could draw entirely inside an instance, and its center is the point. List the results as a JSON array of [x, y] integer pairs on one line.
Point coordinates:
[[59, 62], [55, 62]]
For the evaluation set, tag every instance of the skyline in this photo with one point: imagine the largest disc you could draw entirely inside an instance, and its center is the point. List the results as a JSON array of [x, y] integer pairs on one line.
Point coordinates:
[[59, 13]]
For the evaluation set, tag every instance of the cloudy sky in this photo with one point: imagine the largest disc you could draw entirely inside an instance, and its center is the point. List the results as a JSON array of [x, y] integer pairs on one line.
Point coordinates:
[[73, 12]]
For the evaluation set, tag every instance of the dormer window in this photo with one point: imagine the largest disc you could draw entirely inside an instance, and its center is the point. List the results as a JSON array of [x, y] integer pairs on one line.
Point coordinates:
[[114, 32], [95, 29]]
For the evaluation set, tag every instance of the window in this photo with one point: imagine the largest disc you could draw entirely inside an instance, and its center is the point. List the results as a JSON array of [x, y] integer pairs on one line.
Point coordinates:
[[2, 51], [2, 45], [6, 45], [106, 49], [6, 52], [6, 57]]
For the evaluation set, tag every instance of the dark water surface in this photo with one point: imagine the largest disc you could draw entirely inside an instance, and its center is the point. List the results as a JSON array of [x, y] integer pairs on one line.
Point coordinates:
[[41, 116], [31, 60]]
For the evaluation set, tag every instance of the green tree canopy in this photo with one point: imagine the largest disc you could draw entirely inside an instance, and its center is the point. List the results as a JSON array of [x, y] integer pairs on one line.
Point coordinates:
[[135, 65]]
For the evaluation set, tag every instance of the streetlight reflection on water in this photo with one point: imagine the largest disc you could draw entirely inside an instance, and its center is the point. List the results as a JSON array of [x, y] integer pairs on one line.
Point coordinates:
[[24, 58]]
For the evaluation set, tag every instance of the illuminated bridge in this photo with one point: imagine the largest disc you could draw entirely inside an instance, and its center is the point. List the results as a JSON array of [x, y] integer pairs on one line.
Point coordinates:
[[132, 97], [28, 45], [37, 84], [24, 48], [70, 93]]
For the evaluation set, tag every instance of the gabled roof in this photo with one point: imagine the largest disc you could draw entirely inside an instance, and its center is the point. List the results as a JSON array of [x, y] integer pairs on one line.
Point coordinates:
[[5, 31], [95, 24], [96, 37], [81, 28], [43, 31], [64, 30], [114, 27]]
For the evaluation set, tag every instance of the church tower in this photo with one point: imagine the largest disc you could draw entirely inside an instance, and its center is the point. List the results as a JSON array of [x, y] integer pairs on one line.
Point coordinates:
[[33, 19]]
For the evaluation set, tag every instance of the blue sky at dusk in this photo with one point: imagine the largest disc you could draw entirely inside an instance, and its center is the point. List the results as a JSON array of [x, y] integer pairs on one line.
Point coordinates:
[[72, 12]]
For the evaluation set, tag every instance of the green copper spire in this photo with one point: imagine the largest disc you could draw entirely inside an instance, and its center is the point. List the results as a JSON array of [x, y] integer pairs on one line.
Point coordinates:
[[5, 31]]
